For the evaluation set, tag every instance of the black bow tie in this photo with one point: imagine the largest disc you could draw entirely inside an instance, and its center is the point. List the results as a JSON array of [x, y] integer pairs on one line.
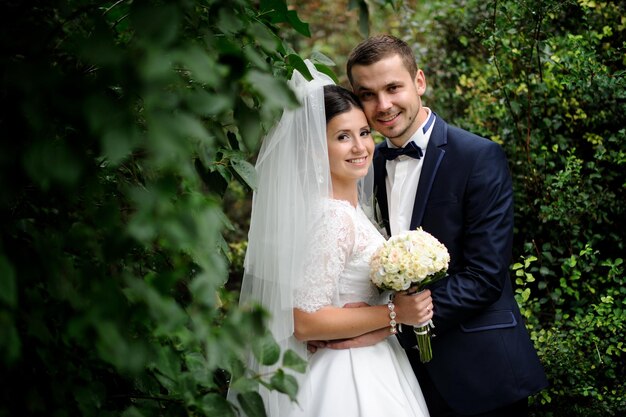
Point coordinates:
[[411, 149]]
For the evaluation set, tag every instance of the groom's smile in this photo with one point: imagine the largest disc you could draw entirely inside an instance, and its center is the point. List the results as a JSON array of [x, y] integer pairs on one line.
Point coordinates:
[[388, 119], [391, 97]]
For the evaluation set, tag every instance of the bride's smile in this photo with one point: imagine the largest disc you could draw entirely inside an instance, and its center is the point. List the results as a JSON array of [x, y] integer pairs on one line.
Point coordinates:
[[350, 147]]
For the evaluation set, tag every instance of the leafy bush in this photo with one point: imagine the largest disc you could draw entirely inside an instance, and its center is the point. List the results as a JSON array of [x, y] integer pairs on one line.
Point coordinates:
[[124, 124]]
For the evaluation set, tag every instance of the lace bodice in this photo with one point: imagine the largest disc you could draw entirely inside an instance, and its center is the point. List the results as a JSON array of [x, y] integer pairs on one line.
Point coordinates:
[[337, 267]]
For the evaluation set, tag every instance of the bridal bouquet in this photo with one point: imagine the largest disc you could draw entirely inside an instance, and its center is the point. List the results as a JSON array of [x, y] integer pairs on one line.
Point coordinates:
[[411, 259]]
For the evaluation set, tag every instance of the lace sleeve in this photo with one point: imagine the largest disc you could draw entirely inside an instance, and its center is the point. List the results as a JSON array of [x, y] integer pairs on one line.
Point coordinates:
[[331, 246]]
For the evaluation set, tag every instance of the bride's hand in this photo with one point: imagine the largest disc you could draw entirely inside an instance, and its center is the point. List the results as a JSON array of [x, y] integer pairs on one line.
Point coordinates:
[[366, 339], [413, 309]]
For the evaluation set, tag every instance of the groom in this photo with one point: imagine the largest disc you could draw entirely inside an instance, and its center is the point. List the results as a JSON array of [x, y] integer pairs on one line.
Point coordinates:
[[456, 186]]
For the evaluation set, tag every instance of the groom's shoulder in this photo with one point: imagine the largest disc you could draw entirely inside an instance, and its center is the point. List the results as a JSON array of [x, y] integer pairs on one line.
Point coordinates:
[[461, 137], [458, 133]]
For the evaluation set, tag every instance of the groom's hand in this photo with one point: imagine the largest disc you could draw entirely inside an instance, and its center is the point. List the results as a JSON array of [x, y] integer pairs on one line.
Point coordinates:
[[313, 345], [367, 339]]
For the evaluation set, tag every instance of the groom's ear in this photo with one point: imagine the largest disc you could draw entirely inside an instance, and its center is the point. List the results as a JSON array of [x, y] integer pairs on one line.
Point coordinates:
[[420, 82]]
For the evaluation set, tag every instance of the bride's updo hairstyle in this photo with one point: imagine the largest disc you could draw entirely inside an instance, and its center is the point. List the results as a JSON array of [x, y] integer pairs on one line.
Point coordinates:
[[339, 100]]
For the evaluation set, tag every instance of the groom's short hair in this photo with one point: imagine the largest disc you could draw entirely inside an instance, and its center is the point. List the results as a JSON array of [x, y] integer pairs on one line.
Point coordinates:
[[378, 47]]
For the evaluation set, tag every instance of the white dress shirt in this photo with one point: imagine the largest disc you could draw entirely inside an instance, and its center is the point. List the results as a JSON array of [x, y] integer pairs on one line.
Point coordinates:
[[403, 175]]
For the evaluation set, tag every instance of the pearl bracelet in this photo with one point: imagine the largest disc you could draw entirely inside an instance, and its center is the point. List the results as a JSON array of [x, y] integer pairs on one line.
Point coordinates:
[[392, 317]]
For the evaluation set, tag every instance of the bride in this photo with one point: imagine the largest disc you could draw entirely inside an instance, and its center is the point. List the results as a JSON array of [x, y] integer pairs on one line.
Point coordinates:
[[308, 255]]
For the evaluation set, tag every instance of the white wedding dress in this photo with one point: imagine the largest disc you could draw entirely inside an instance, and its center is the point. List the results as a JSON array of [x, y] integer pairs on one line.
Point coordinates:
[[374, 381]]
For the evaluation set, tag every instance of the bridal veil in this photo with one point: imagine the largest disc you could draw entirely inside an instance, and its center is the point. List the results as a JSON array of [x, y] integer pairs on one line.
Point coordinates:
[[293, 177]]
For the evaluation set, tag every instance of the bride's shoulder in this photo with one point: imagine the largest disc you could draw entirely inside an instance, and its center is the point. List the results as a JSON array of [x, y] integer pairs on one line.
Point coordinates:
[[331, 214], [337, 207]]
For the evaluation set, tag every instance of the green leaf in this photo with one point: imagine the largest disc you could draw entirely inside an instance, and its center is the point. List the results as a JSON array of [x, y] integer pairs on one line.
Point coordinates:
[[202, 287], [285, 383], [118, 143], [53, 161], [249, 124], [132, 411], [276, 9], [529, 260], [209, 104], [364, 29], [252, 404], [8, 286], [126, 355], [156, 25], [266, 350], [225, 173], [100, 49], [298, 63], [275, 92], [254, 57], [229, 22], [89, 397], [265, 37], [293, 361], [244, 384], [10, 343], [216, 405], [196, 362], [297, 24], [156, 66], [190, 126], [166, 312], [245, 171], [167, 365], [326, 70], [203, 67]]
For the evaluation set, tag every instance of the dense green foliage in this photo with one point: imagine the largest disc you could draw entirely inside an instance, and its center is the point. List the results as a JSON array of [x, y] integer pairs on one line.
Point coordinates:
[[123, 124], [127, 130], [547, 80]]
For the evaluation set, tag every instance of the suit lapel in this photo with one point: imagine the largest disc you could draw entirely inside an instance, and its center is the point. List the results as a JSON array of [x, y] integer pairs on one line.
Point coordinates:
[[434, 155], [380, 187]]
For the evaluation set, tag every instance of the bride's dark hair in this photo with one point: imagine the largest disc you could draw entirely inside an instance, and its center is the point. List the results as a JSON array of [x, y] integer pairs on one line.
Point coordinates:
[[339, 100]]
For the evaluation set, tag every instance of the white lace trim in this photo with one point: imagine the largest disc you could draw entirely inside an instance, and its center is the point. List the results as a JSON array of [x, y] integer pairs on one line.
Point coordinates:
[[337, 266]]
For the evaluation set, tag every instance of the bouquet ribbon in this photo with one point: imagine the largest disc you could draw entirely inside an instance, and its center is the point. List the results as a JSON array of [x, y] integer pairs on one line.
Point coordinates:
[[422, 334]]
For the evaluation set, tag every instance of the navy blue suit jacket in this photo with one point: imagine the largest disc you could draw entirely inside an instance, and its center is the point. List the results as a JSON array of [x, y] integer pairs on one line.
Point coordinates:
[[483, 357]]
